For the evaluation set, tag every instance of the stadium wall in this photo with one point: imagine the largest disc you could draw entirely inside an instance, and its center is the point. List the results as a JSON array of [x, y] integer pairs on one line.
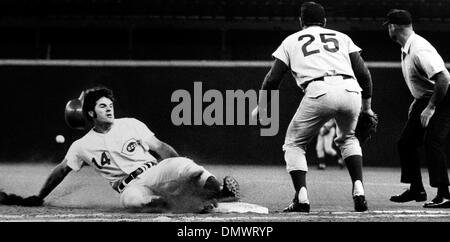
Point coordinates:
[[34, 98]]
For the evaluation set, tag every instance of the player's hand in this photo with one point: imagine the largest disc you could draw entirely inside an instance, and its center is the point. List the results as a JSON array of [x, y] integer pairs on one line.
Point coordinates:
[[81, 97], [257, 111], [426, 115], [32, 201], [368, 111]]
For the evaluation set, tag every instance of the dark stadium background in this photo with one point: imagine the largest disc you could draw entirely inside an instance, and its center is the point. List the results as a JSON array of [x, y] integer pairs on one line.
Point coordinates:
[[33, 97]]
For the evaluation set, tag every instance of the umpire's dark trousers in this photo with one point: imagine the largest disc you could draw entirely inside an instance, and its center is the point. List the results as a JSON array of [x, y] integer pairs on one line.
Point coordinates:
[[432, 138]]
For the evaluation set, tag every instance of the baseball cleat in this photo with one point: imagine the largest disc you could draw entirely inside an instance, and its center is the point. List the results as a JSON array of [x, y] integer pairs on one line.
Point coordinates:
[[297, 207], [408, 196], [438, 202], [230, 190], [360, 203]]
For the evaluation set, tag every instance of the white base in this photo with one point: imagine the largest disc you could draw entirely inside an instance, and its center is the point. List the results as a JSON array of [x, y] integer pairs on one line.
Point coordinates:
[[240, 207]]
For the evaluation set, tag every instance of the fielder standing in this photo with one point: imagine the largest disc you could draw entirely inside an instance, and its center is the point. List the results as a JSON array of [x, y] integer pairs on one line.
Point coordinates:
[[429, 114], [327, 65]]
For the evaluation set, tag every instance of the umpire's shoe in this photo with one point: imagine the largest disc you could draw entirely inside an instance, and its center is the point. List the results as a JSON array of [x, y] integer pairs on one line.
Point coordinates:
[[438, 202], [230, 190], [295, 206], [408, 196], [360, 203]]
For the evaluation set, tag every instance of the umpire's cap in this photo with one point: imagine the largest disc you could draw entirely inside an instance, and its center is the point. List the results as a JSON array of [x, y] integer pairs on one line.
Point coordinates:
[[312, 13], [398, 16]]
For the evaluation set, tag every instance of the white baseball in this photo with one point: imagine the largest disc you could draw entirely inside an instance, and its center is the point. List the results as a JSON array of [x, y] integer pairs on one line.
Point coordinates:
[[60, 139]]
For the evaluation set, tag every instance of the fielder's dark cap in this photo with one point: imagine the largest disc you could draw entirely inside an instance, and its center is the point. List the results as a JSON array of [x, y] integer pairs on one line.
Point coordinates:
[[398, 16], [312, 13]]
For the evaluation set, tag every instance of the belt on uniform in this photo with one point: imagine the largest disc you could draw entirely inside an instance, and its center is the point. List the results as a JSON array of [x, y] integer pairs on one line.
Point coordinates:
[[132, 175], [322, 78]]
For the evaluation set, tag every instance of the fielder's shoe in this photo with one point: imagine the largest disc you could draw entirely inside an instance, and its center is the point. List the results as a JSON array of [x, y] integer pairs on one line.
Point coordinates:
[[438, 202], [341, 163], [360, 203], [321, 166], [230, 190], [408, 196], [297, 207]]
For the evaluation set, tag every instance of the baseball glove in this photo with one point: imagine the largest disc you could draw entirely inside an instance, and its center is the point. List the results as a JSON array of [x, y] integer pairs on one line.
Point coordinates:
[[13, 199], [366, 127]]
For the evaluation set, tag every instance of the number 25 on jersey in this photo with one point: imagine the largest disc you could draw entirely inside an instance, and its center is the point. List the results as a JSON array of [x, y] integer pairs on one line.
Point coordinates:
[[330, 44]]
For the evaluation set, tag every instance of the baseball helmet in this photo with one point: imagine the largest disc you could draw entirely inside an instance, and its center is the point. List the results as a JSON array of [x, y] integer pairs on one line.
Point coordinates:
[[73, 114]]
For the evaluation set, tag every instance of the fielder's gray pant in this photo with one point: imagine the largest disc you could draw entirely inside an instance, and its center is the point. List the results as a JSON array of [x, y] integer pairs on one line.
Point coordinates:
[[323, 100]]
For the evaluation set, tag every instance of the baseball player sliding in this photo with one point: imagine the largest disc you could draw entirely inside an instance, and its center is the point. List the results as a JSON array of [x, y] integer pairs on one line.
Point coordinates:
[[327, 65], [126, 153]]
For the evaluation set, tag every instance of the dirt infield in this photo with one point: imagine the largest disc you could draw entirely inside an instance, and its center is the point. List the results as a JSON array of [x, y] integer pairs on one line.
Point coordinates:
[[86, 197]]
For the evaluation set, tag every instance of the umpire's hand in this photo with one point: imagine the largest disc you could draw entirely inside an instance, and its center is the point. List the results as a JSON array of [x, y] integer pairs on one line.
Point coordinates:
[[426, 115]]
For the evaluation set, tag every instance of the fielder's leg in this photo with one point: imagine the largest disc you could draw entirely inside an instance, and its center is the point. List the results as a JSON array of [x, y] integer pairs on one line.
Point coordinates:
[[297, 167], [350, 148], [320, 150], [328, 142], [311, 115]]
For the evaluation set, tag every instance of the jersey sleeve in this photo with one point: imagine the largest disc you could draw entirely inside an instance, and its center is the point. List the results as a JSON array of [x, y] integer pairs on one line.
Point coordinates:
[[352, 47], [430, 62], [282, 53], [73, 158]]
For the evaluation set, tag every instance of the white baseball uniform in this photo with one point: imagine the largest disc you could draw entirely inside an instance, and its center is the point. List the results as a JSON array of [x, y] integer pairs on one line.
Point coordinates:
[[316, 52], [320, 63], [124, 149]]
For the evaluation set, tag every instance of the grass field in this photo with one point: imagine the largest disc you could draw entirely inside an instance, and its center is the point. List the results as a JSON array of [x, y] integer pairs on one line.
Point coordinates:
[[85, 196]]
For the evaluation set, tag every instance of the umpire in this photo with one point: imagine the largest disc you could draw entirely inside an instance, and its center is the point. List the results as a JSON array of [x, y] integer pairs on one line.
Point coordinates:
[[429, 114]]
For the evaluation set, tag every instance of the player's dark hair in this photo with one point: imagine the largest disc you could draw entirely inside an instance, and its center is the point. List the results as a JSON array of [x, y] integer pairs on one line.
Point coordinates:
[[92, 95], [312, 13]]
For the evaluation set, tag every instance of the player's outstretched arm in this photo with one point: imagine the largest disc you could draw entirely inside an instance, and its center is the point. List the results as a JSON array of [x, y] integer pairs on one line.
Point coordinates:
[[162, 149], [271, 81], [57, 175], [54, 179]]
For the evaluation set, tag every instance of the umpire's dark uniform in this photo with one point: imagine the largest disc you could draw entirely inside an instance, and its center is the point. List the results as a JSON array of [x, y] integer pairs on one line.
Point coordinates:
[[420, 65]]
